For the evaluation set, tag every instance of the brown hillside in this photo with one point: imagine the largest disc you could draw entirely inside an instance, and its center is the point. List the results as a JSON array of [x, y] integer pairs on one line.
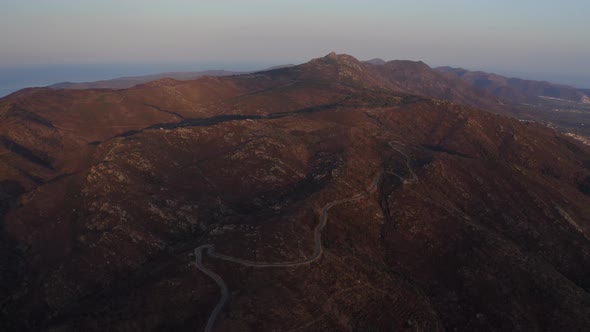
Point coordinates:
[[479, 221]]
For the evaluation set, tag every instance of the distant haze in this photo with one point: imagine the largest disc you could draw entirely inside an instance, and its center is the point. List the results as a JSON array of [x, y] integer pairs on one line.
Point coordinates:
[[546, 39]]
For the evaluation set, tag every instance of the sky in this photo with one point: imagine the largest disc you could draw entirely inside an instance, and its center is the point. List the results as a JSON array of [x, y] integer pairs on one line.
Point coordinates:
[[544, 39]]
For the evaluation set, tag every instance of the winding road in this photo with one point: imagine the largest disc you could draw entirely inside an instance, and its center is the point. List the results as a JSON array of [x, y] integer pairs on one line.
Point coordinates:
[[318, 250], [209, 249]]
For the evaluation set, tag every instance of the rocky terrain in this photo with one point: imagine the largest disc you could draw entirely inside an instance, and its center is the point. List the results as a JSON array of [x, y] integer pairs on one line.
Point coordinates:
[[561, 106], [129, 82], [479, 222], [517, 89]]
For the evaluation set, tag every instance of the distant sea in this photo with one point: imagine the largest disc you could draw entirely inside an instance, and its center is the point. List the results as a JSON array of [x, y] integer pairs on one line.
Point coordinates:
[[15, 78]]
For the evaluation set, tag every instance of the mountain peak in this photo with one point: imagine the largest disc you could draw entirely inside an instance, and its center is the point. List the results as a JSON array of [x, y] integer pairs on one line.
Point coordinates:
[[341, 59], [332, 55]]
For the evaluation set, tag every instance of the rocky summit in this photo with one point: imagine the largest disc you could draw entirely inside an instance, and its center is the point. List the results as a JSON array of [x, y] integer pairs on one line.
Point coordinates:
[[336, 195]]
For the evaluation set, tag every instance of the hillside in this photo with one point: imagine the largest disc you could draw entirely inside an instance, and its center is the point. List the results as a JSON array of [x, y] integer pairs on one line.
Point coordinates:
[[451, 217], [560, 106], [418, 78], [517, 89], [128, 82]]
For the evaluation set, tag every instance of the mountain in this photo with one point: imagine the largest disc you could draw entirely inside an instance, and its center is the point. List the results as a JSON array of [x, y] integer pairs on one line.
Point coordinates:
[[516, 89], [444, 83], [128, 82], [320, 197], [560, 106], [418, 78]]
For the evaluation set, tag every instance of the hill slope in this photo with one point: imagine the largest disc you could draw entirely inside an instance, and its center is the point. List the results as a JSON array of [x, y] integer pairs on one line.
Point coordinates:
[[479, 221], [128, 82], [516, 89], [564, 107]]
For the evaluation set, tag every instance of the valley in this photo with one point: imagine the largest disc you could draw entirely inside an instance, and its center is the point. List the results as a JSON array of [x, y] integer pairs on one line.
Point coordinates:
[[567, 116]]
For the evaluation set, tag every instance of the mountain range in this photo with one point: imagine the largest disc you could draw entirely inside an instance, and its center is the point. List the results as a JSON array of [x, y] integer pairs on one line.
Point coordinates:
[[564, 107], [131, 81], [336, 195], [128, 82], [516, 89]]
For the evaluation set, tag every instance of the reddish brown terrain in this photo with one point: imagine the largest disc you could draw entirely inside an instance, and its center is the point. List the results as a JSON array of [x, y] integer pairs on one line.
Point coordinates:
[[517, 89], [560, 106], [478, 222], [129, 82]]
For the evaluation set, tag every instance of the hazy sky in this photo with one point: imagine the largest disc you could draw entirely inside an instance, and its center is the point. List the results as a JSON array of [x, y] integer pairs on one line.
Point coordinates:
[[529, 36]]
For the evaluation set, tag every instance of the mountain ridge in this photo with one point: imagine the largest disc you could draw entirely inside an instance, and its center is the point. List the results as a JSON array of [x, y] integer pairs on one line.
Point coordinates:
[[506, 96], [516, 88], [126, 82], [105, 193]]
